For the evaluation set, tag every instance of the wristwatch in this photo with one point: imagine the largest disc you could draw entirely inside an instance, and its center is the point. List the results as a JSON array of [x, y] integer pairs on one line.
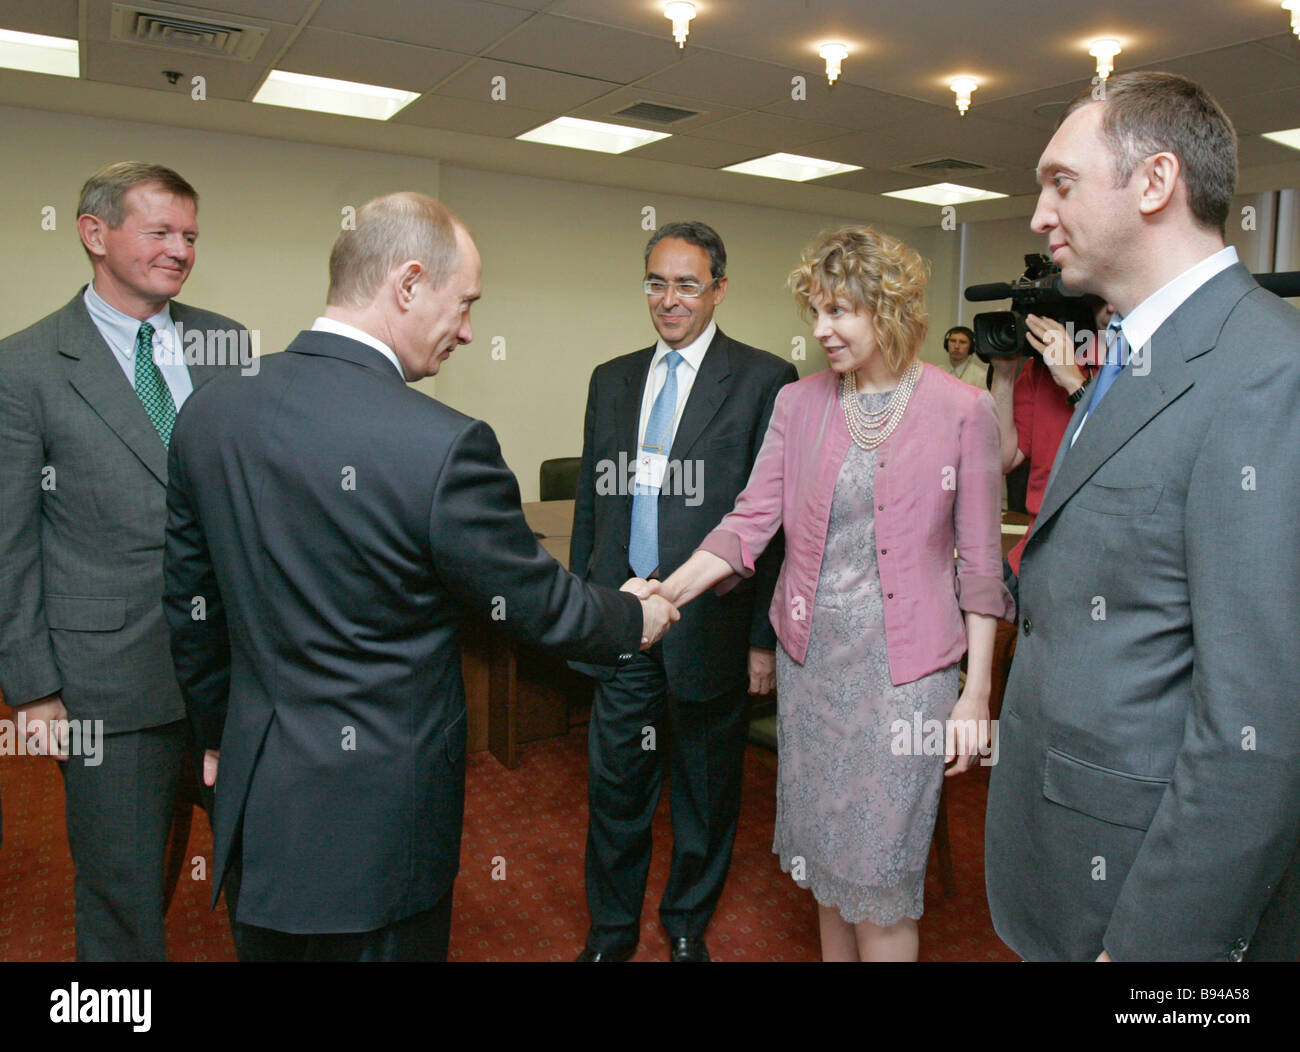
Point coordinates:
[[1077, 397]]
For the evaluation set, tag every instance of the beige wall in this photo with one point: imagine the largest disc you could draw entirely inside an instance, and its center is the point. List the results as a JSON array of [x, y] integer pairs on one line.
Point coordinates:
[[269, 212], [562, 271], [562, 259]]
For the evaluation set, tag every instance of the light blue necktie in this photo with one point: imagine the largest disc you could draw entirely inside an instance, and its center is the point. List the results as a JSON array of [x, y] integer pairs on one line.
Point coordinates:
[[1116, 354], [643, 547]]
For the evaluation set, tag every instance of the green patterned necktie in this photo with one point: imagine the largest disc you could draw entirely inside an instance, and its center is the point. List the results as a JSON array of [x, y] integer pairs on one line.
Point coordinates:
[[150, 387]]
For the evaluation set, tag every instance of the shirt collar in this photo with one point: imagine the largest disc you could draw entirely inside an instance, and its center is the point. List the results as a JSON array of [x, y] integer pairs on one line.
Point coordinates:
[[340, 328], [1141, 323], [123, 328], [693, 353]]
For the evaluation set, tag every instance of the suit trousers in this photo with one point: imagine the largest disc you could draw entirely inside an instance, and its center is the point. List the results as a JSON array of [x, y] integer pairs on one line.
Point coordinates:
[[625, 773], [420, 937], [118, 816]]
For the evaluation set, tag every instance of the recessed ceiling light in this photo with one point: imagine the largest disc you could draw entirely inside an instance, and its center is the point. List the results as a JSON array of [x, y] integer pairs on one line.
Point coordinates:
[[301, 92], [1290, 137], [39, 54], [578, 134], [792, 167], [944, 194]]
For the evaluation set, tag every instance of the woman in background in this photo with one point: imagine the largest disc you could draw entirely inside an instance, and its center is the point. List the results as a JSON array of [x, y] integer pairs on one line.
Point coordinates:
[[877, 468]]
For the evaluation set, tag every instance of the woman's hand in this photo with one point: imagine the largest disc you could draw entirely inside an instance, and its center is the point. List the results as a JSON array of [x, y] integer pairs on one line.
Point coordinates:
[[967, 731]]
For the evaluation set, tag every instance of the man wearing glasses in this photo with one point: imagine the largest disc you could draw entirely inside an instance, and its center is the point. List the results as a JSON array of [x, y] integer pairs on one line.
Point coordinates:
[[670, 436]]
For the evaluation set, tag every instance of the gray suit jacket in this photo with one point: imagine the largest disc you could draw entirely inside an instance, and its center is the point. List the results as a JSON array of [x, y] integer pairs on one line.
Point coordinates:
[[1147, 796], [83, 484]]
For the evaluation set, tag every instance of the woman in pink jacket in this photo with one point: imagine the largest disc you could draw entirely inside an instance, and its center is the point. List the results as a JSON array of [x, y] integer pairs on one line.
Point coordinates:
[[877, 468]]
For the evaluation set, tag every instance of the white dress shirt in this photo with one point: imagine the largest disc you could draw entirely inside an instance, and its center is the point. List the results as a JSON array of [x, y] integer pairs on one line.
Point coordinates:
[[120, 330], [1141, 323], [687, 370], [339, 328]]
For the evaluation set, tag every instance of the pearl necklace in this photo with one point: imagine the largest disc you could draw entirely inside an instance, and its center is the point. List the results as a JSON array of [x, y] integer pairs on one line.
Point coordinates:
[[869, 429]]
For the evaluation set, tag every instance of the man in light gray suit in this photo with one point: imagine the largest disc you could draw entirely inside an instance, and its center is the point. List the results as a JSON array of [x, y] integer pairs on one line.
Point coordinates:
[[1147, 801], [88, 396]]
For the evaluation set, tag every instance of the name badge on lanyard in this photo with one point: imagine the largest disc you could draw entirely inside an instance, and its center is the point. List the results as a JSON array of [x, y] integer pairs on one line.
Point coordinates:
[[650, 468]]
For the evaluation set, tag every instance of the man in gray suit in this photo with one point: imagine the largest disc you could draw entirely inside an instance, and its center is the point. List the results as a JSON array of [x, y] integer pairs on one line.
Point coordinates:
[[1147, 801], [88, 396]]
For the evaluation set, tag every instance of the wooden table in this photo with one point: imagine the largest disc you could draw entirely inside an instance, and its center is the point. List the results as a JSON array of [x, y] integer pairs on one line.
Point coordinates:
[[517, 693]]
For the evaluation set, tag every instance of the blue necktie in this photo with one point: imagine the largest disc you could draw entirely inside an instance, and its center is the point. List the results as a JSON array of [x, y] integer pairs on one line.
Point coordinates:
[[643, 546], [1116, 353]]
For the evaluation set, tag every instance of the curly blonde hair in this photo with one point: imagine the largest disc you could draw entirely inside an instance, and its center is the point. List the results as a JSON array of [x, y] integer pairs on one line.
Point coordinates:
[[865, 269]]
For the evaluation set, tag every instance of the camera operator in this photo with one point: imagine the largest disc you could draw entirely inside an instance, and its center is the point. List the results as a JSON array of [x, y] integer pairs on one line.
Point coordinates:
[[1035, 407], [959, 343]]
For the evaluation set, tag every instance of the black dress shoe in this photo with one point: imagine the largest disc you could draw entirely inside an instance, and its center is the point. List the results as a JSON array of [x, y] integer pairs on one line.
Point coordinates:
[[688, 948], [597, 956]]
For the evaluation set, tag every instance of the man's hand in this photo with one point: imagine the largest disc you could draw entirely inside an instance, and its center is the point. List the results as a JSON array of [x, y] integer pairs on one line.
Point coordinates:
[[640, 587], [657, 613], [41, 736], [1053, 342], [762, 670], [210, 758], [1104, 957]]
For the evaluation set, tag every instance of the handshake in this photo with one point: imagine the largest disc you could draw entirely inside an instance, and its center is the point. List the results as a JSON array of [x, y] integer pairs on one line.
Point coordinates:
[[657, 613]]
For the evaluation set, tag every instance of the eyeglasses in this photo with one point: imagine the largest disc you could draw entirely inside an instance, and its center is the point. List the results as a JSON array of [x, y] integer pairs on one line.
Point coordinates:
[[687, 290]]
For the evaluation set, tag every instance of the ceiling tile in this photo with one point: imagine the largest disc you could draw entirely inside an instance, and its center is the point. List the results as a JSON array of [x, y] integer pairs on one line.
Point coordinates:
[[51, 18], [143, 67], [853, 107], [730, 80], [607, 107], [1241, 70], [1272, 111], [275, 10], [870, 181], [700, 153], [769, 132], [465, 115], [1253, 150], [454, 25], [586, 50], [323, 53], [865, 149], [541, 89]]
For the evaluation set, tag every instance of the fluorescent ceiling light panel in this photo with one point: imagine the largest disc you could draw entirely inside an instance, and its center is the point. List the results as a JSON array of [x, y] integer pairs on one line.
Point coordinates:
[[578, 134], [1290, 137], [944, 194], [324, 95], [792, 167], [39, 54]]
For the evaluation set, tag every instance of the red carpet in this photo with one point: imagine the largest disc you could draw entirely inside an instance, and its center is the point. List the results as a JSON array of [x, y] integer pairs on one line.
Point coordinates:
[[527, 826]]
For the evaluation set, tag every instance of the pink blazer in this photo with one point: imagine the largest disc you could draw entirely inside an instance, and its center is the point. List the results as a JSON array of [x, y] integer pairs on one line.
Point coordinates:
[[938, 487]]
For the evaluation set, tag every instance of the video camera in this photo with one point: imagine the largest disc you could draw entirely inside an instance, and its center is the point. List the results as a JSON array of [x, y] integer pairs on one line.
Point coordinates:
[[1001, 334]]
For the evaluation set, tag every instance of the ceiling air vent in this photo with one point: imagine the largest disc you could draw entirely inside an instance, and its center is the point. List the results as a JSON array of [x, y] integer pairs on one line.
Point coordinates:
[[944, 164], [654, 113], [163, 29]]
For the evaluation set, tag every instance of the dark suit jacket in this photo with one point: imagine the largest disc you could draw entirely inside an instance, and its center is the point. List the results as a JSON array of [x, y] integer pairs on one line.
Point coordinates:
[[1147, 795], [337, 525], [83, 479], [720, 431]]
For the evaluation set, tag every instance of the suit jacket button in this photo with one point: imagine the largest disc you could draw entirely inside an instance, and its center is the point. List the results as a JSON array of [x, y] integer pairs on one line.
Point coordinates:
[[1027, 627]]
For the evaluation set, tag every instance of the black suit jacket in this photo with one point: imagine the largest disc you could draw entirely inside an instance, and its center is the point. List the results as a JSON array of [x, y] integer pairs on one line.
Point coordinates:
[[328, 527], [720, 433], [83, 482]]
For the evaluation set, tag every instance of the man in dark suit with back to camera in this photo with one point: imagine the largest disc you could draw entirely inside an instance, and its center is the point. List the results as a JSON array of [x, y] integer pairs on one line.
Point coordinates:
[[88, 397], [328, 528], [1147, 801], [688, 417]]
